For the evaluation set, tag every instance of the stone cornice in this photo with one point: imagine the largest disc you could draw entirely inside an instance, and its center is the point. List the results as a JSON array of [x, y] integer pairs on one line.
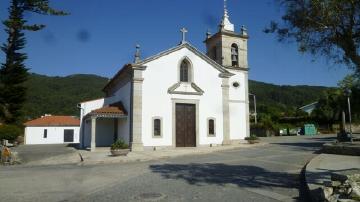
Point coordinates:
[[192, 49], [226, 33], [172, 89], [226, 75], [238, 68]]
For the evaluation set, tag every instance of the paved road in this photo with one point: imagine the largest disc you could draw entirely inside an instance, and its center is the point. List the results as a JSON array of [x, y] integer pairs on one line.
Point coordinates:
[[266, 173], [31, 153]]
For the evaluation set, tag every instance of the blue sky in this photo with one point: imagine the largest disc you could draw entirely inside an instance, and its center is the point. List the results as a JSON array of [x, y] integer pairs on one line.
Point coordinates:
[[100, 36]]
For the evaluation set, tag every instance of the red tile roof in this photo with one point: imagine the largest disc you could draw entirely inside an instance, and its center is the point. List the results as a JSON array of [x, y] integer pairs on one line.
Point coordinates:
[[54, 121], [113, 109]]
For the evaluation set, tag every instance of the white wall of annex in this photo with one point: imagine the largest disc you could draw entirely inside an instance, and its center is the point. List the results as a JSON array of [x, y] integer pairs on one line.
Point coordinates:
[[55, 135]]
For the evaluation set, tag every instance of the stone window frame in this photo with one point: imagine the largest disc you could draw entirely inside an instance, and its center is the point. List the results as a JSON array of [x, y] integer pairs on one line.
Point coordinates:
[[207, 126], [45, 134], [153, 126], [190, 70]]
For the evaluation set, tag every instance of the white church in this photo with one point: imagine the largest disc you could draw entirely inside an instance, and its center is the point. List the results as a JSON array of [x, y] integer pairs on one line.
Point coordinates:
[[180, 97]]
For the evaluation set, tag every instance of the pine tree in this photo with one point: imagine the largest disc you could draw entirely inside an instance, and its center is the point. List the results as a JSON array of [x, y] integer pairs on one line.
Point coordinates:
[[13, 72]]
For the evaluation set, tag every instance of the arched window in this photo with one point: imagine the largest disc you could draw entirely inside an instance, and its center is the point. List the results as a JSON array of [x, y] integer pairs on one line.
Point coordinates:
[[185, 71], [211, 127], [234, 55], [157, 128]]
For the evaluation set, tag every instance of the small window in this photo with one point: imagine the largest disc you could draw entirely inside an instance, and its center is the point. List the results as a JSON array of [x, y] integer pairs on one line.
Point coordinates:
[[45, 133], [184, 71], [157, 127], [211, 127], [236, 84]]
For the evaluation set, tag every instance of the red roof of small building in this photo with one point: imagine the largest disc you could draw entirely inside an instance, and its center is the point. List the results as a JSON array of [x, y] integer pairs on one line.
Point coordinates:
[[54, 121]]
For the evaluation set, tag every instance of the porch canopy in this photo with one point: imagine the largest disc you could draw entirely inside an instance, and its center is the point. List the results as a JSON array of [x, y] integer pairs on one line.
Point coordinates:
[[113, 111]]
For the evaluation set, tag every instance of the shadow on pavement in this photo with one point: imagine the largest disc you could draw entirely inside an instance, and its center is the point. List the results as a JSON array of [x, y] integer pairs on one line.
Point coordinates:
[[324, 139], [222, 174], [303, 146]]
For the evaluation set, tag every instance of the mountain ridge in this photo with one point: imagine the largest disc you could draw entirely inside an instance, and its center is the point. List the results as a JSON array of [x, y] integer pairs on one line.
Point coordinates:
[[60, 94]]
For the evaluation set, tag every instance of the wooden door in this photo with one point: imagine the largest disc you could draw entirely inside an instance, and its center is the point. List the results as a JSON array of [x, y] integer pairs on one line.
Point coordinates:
[[185, 125]]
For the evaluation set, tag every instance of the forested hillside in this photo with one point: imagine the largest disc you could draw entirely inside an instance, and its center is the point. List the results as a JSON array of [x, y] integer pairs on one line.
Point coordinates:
[[285, 96], [60, 95]]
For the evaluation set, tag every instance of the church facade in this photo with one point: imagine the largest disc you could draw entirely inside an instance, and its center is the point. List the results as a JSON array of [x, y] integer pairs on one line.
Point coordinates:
[[178, 98]]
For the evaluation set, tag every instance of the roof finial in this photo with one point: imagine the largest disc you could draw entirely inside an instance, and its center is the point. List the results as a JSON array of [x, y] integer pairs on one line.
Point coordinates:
[[183, 31], [225, 8], [225, 22], [137, 54], [244, 31], [208, 34]]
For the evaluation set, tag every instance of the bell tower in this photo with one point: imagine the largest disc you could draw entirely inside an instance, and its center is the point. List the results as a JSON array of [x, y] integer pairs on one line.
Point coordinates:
[[228, 47]]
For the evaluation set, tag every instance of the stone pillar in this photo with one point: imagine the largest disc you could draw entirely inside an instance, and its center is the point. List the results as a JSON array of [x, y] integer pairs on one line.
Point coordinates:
[[226, 111], [246, 74], [136, 143], [93, 134]]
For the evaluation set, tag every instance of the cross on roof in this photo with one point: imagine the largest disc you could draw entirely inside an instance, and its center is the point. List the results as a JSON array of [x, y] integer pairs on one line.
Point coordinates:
[[184, 31]]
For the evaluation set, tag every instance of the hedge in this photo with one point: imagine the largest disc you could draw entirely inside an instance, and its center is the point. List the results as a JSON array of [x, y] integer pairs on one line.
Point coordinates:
[[9, 132]]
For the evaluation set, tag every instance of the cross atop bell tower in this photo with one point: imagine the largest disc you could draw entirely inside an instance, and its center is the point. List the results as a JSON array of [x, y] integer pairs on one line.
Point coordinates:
[[228, 47]]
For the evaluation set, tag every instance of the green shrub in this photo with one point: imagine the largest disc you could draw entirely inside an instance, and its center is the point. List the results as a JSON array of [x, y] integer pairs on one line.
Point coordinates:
[[252, 137], [119, 144], [9, 132]]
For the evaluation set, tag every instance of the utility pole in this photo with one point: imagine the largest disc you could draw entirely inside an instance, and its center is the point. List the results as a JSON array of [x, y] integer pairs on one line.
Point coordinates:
[[255, 113], [348, 94]]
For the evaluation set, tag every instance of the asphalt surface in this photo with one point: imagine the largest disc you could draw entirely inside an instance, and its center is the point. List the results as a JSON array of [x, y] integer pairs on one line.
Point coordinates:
[[29, 153], [266, 173]]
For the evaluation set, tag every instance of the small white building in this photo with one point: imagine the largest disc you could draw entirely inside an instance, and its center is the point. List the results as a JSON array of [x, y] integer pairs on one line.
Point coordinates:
[[309, 108], [52, 130], [180, 97]]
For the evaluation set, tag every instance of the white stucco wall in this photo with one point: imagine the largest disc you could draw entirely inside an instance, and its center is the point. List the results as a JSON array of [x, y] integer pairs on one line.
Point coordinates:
[[161, 74], [85, 108], [122, 93], [238, 104], [105, 128], [55, 135]]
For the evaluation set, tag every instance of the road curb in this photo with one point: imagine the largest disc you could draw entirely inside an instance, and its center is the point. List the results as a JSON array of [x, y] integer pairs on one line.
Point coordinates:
[[313, 189], [304, 188], [320, 168]]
